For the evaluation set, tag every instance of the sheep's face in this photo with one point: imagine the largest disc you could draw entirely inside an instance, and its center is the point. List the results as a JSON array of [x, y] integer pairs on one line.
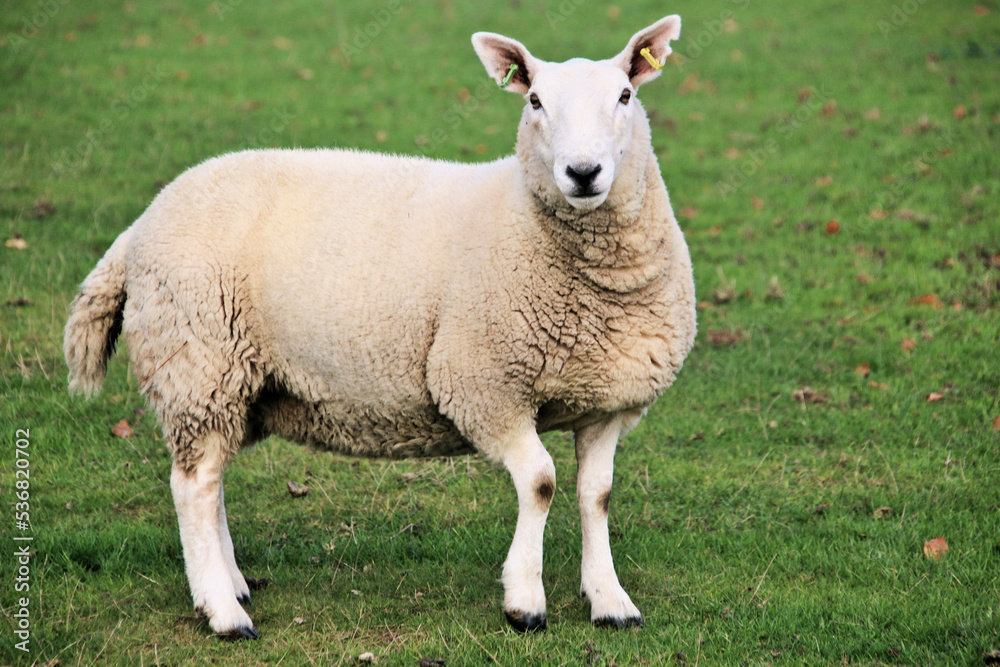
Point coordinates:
[[578, 119], [579, 115]]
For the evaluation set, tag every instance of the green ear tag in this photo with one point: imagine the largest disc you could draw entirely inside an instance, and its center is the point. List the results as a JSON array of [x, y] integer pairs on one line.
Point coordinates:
[[510, 75]]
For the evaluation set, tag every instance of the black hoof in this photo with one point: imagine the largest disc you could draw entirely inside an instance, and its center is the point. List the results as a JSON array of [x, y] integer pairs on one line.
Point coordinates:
[[244, 599], [525, 622], [617, 623], [257, 584], [243, 632]]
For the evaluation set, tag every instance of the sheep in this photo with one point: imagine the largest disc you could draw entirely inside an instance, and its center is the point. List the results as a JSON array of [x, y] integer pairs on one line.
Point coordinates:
[[389, 306]]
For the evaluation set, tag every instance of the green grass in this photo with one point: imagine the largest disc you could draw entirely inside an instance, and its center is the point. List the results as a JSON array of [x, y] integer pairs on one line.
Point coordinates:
[[743, 520]]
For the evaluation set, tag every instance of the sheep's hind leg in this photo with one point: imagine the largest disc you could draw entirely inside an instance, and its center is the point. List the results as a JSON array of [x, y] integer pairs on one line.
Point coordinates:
[[197, 491], [239, 582], [534, 477], [610, 605]]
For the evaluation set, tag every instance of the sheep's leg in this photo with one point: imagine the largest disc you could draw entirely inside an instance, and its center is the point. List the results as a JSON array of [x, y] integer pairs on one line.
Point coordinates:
[[197, 491], [534, 477], [239, 583], [610, 605]]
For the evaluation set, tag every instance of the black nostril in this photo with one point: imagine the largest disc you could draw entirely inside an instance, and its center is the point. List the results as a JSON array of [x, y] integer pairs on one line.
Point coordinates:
[[584, 175]]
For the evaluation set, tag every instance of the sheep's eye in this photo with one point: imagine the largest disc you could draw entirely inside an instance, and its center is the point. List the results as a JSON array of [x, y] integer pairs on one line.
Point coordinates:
[[626, 96], [535, 104]]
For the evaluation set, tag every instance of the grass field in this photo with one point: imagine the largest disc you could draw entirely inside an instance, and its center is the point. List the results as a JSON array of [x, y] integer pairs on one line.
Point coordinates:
[[835, 167]]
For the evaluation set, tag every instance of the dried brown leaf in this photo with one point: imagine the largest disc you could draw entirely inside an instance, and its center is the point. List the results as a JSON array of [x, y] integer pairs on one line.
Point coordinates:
[[863, 369], [296, 490], [936, 549], [809, 395], [931, 300], [723, 338], [16, 242], [122, 429]]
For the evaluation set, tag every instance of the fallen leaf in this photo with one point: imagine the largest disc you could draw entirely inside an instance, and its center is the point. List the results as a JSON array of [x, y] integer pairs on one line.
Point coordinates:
[[934, 397], [724, 294], [832, 227], [908, 345], [873, 114], [996, 423], [16, 243], [829, 108], [804, 94], [863, 369], [614, 11], [122, 429], [723, 338], [143, 41], [705, 305], [689, 84], [42, 208], [882, 512], [824, 181], [775, 291], [809, 395], [306, 74], [935, 549], [877, 214], [296, 490], [959, 112], [757, 203], [732, 152], [282, 43], [381, 136], [980, 10], [931, 300], [881, 386], [688, 212]]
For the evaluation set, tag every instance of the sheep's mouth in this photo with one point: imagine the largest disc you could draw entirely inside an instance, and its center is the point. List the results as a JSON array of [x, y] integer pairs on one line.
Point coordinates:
[[586, 200]]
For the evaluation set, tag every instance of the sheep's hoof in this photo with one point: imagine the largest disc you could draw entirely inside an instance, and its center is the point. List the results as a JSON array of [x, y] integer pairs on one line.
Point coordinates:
[[244, 599], [256, 584], [242, 632], [618, 623], [524, 622]]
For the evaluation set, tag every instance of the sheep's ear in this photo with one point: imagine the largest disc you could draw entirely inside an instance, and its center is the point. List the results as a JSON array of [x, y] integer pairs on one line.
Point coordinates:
[[498, 53], [657, 39]]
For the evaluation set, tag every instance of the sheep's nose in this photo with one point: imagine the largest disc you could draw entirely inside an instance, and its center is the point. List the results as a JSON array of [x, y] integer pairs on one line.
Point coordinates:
[[583, 175]]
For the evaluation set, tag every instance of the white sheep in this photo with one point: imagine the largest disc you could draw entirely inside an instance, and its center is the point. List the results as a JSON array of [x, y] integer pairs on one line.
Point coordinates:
[[392, 306]]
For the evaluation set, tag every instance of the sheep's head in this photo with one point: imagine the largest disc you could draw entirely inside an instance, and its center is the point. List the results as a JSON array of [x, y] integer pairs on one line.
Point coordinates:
[[579, 116]]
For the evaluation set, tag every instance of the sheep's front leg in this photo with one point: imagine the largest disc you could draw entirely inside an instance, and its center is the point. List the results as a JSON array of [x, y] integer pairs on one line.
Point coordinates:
[[534, 477], [197, 492], [229, 554], [610, 605]]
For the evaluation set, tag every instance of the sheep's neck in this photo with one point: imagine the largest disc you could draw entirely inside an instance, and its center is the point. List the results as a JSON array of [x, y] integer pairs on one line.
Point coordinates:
[[622, 245]]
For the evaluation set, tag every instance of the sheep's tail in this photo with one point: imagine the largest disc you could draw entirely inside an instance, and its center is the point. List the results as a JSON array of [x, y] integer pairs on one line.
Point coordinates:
[[95, 320]]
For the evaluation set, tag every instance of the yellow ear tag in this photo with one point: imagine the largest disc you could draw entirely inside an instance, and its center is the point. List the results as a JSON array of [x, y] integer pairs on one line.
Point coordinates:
[[651, 58]]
